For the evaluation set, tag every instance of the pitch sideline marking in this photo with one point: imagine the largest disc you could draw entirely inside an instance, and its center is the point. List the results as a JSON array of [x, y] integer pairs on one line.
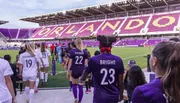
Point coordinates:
[[133, 56], [122, 58]]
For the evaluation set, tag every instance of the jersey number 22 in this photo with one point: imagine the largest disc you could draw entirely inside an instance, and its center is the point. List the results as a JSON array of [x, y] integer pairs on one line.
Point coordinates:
[[79, 59]]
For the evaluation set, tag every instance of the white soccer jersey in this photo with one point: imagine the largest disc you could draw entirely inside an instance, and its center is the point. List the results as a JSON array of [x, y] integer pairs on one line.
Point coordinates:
[[29, 64], [45, 57], [5, 70], [39, 55]]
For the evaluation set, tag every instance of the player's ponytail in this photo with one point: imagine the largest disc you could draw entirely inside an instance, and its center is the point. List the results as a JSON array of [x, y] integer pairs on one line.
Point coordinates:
[[30, 48], [43, 47], [168, 56], [79, 44]]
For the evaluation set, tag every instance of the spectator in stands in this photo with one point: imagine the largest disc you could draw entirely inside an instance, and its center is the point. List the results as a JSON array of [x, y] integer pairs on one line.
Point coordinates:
[[174, 39], [164, 61], [135, 78], [7, 94], [14, 68]]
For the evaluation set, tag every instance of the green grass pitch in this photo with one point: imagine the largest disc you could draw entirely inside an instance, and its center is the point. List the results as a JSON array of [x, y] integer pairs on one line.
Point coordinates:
[[126, 53]]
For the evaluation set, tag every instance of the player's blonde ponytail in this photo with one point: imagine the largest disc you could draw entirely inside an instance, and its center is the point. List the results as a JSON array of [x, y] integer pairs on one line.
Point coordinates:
[[79, 44], [30, 48]]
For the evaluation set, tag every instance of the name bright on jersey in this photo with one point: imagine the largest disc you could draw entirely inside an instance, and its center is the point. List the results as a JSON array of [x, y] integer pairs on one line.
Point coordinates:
[[107, 62]]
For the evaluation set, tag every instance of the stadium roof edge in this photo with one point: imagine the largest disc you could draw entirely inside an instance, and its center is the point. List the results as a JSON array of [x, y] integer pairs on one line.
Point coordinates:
[[65, 10]]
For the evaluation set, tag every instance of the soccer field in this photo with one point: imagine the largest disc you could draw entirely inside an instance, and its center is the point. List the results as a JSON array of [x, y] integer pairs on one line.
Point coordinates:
[[126, 53]]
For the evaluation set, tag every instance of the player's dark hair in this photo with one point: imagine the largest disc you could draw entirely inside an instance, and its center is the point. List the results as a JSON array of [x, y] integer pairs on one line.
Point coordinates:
[[136, 77], [168, 56], [174, 39], [7, 57], [38, 45], [97, 52], [106, 41], [43, 47], [73, 44]]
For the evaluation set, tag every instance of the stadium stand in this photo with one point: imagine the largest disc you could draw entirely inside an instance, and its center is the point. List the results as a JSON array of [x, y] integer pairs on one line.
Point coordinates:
[[124, 19], [164, 23], [3, 22]]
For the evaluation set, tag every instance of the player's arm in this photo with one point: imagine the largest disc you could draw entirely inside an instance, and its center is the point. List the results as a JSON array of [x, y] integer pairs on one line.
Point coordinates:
[[121, 86], [120, 81], [49, 57], [87, 71], [8, 72]]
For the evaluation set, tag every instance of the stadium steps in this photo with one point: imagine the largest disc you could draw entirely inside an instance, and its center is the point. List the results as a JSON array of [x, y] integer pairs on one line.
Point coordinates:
[[145, 42], [117, 43]]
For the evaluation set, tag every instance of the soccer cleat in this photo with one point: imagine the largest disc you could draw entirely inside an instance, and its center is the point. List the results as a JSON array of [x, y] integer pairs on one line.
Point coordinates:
[[76, 101], [36, 90], [27, 101]]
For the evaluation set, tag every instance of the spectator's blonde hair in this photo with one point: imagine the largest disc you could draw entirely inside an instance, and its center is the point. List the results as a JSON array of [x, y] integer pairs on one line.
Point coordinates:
[[79, 44], [30, 48]]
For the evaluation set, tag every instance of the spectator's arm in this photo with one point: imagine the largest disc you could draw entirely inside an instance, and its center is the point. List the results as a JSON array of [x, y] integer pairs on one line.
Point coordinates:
[[10, 85]]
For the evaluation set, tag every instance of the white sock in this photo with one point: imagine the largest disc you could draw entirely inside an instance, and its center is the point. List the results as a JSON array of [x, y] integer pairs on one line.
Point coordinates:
[[42, 75], [37, 82], [27, 92], [31, 96], [46, 77]]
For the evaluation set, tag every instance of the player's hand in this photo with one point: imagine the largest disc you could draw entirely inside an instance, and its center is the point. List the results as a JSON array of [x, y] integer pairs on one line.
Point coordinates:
[[68, 73], [121, 98], [14, 100]]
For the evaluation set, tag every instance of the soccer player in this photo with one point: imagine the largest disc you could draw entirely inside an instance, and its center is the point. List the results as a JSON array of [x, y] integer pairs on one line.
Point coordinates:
[[165, 62], [71, 46], [28, 65], [7, 94], [39, 74], [46, 62], [13, 77], [77, 62], [88, 80], [107, 70]]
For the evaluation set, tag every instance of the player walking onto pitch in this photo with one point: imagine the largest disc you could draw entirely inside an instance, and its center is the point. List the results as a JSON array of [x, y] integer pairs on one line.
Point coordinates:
[[78, 61], [39, 55], [28, 65], [107, 70], [46, 62]]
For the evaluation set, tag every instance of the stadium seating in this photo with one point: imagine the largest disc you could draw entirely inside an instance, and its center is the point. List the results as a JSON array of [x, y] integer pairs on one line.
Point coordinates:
[[138, 25], [15, 33], [164, 23]]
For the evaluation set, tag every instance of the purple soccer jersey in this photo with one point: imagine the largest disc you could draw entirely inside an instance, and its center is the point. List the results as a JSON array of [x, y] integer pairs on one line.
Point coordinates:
[[78, 58], [106, 69], [149, 93]]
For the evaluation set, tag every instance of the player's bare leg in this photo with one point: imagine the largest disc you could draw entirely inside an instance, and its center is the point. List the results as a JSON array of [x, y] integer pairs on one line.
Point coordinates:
[[37, 82], [74, 88], [42, 76], [46, 75], [31, 93], [27, 90], [87, 87]]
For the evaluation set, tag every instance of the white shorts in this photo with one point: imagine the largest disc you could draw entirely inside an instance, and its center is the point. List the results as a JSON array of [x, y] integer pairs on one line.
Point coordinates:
[[8, 101], [46, 65], [33, 78]]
